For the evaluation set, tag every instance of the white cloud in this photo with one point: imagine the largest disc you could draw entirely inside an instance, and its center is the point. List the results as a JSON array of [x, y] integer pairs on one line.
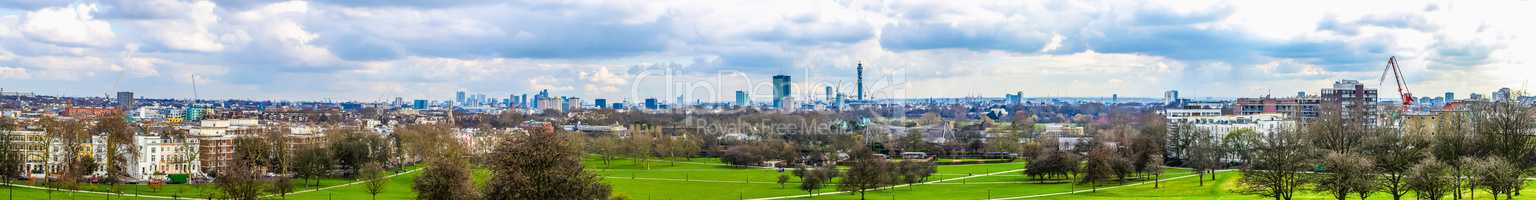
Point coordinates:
[[1053, 44], [188, 28], [14, 73], [363, 50], [72, 25]]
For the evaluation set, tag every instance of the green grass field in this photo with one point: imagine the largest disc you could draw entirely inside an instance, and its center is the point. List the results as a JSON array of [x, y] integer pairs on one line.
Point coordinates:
[[704, 178]]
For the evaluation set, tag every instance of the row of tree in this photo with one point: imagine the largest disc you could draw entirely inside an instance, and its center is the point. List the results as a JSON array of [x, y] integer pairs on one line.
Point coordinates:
[[644, 145], [1487, 147], [540, 164]]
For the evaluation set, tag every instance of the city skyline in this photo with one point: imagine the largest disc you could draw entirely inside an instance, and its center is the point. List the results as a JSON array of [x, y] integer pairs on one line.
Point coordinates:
[[376, 51]]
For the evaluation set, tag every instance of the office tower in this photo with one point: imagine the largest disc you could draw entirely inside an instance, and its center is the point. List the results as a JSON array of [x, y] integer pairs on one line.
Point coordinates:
[[1014, 99], [650, 103], [780, 90], [542, 95], [125, 101], [861, 81], [1450, 96], [741, 98], [1352, 98], [1503, 94], [459, 97], [419, 104], [680, 102], [1170, 97], [601, 103], [829, 94]]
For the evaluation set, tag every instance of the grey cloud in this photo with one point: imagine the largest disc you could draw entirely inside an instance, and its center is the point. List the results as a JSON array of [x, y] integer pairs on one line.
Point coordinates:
[[1399, 21], [922, 36]]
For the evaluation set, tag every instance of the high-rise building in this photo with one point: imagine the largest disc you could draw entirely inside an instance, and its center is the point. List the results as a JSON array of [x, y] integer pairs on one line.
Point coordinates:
[[741, 98], [829, 94], [1503, 94], [571, 104], [600, 103], [419, 104], [650, 103], [543, 94], [125, 101], [780, 90], [1305, 108], [1015, 98], [1352, 99], [459, 97], [1450, 96], [1171, 97], [860, 83]]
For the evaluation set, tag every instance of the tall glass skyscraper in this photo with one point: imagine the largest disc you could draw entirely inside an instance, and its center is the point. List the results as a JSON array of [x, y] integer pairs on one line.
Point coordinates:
[[780, 90], [741, 98]]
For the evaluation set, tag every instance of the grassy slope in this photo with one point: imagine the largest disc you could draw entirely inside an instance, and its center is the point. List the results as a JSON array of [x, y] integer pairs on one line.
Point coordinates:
[[1224, 187], [706, 180]]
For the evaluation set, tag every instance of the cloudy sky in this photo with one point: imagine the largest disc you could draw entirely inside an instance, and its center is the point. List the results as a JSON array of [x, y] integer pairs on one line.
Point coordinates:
[[378, 50]]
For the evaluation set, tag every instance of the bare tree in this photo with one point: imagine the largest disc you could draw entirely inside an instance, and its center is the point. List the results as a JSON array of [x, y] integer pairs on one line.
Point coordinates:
[[812, 179], [1098, 168], [541, 165], [11, 160], [1497, 176], [447, 176], [240, 179], [867, 172], [119, 147], [1394, 156], [1345, 174], [1276, 170], [1430, 179], [374, 180]]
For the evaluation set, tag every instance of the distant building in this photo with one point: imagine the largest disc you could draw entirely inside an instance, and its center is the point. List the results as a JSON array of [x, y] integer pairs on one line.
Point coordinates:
[[742, 99], [600, 103], [1015, 98], [1170, 97], [781, 91], [459, 98], [651, 104], [1475, 97], [547, 103], [419, 104], [1503, 94], [1450, 96], [1306, 108], [571, 104], [1352, 99], [860, 77], [830, 95], [125, 101]]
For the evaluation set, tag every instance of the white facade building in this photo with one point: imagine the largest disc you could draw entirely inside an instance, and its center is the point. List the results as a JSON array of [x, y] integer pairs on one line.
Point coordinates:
[[161, 155]]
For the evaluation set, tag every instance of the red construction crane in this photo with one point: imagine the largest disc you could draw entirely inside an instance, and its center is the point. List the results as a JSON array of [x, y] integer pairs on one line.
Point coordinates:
[[1402, 85]]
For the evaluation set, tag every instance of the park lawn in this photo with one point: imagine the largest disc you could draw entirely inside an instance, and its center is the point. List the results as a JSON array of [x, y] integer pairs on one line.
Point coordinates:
[[190, 191], [704, 179], [1224, 187]]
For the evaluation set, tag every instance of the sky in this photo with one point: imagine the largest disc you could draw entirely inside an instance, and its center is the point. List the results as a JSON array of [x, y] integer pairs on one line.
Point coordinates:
[[706, 50]]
